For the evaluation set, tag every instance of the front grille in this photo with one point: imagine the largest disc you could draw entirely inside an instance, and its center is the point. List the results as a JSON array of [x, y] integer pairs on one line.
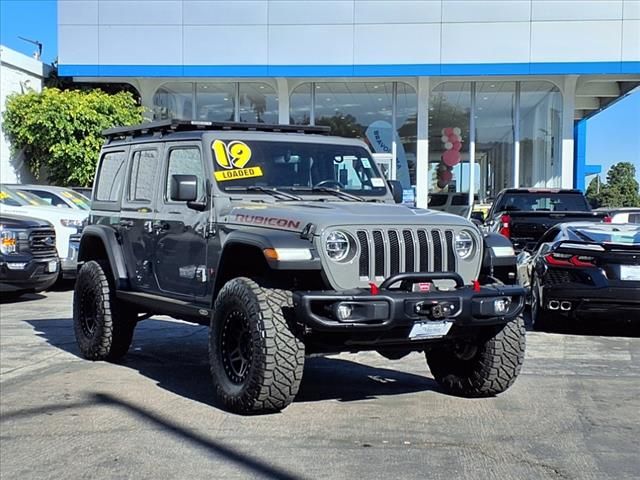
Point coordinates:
[[386, 252], [42, 243]]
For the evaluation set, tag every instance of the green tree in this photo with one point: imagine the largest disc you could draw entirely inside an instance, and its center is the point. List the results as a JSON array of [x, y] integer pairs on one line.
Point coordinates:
[[59, 131], [593, 192], [621, 189]]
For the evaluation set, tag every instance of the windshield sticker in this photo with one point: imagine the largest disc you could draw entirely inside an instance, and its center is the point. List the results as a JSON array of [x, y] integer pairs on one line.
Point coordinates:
[[377, 182], [4, 195], [233, 157], [365, 163]]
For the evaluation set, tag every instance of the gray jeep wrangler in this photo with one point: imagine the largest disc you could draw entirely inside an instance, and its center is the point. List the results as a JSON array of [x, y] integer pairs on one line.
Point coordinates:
[[287, 242]]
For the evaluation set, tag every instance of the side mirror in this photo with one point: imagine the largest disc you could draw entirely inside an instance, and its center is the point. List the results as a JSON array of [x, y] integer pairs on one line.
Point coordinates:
[[184, 188], [396, 190], [479, 216]]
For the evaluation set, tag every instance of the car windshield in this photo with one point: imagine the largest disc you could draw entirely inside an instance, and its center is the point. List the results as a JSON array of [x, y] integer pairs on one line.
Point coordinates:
[[18, 198], [626, 234], [300, 167], [77, 199], [543, 202]]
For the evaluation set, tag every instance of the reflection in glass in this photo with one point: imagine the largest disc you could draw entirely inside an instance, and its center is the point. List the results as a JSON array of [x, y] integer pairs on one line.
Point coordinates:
[[449, 112], [215, 101], [258, 103], [540, 122], [173, 100]]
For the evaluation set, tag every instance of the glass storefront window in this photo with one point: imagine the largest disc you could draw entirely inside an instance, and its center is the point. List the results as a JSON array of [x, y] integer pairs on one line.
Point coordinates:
[[215, 102], [407, 126], [300, 105], [449, 114], [540, 123], [173, 100], [258, 103], [364, 110], [495, 120]]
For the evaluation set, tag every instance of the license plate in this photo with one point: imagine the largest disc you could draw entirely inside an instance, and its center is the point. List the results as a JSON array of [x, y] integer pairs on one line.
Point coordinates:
[[630, 272], [422, 330], [52, 266]]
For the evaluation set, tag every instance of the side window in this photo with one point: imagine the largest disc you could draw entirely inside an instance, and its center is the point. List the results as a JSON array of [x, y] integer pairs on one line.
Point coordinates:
[[144, 166], [111, 177], [185, 161]]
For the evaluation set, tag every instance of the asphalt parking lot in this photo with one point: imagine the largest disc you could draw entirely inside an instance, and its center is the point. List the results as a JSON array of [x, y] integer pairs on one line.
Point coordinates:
[[573, 413]]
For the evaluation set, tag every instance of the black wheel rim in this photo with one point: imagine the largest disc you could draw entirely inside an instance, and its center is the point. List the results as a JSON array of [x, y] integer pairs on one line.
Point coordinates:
[[88, 313], [236, 348], [535, 300]]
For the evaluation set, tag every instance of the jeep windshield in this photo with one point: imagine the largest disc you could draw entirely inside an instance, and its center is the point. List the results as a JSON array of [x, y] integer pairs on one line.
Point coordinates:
[[299, 168]]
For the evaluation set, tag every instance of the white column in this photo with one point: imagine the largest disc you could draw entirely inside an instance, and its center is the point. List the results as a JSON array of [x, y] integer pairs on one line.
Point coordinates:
[[516, 139], [568, 108], [472, 149], [422, 153], [283, 100]]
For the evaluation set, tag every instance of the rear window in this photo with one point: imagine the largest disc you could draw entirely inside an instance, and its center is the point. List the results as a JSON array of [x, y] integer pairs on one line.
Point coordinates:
[[437, 200], [545, 202], [608, 234], [111, 177]]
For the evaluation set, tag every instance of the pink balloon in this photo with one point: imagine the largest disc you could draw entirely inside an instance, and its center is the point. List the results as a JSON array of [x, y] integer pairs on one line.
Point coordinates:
[[451, 157], [457, 146], [446, 176], [448, 131], [454, 138]]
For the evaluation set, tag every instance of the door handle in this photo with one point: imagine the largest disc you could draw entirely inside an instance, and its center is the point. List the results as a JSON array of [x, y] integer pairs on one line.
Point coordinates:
[[125, 223]]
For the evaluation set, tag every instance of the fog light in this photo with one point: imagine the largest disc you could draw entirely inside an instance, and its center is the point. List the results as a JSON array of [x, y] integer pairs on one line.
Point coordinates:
[[16, 265], [344, 311], [501, 306]]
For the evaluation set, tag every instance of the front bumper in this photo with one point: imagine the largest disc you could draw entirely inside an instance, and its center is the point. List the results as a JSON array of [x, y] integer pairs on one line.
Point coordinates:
[[609, 302], [399, 309], [34, 276]]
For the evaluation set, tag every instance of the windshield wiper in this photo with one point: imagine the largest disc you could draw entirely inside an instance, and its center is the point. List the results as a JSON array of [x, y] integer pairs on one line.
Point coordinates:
[[333, 191], [271, 191]]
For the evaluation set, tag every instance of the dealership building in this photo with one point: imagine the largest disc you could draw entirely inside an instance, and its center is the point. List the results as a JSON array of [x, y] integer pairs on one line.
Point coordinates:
[[458, 92]]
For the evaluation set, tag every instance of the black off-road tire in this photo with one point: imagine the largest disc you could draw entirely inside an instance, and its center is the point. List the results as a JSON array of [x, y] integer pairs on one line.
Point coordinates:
[[268, 376], [102, 325], [483, 369]]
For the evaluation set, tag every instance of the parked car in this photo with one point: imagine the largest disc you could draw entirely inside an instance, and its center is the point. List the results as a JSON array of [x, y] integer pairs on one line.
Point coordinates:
[[286, 241], [28, 257], [60, 197], [524, 214], [582, 270], [621, 215], [450, 202], [67, 222]]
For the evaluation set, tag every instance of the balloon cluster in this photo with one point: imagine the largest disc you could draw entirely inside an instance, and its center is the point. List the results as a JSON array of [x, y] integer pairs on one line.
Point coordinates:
[[452, 142]]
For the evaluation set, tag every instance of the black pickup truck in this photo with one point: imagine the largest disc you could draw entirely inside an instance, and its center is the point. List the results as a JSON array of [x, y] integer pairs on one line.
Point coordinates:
[[523, 215]]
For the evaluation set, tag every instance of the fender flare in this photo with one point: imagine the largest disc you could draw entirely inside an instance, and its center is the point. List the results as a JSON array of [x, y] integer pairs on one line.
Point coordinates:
[[498, 252], [112, 248]]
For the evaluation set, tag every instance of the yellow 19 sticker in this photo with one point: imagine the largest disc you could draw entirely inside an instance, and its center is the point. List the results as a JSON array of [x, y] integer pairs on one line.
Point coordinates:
[[233, 157]]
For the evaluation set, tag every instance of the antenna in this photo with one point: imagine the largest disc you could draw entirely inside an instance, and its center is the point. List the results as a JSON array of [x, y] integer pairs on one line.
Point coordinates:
[[37, 54]]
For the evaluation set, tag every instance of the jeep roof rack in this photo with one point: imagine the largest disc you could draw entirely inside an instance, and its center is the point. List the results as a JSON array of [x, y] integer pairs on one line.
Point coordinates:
[[168, 126]]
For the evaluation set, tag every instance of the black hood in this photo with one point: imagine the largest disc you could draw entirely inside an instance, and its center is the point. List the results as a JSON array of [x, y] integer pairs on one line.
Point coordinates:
[[18, 221]]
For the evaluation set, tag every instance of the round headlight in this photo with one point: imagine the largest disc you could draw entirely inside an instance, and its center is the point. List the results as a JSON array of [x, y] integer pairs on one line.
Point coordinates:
[[337, 246], [463, 244]]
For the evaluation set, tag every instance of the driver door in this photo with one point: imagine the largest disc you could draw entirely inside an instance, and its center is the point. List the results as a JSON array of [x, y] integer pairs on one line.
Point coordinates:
[[181, 232]]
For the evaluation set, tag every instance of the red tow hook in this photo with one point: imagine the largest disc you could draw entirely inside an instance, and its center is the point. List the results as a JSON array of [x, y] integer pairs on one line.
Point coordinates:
[[476, 286], [374, 288]]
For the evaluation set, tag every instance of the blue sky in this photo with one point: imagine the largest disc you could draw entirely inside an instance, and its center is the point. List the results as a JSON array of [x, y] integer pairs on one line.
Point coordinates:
[[612, 135]]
